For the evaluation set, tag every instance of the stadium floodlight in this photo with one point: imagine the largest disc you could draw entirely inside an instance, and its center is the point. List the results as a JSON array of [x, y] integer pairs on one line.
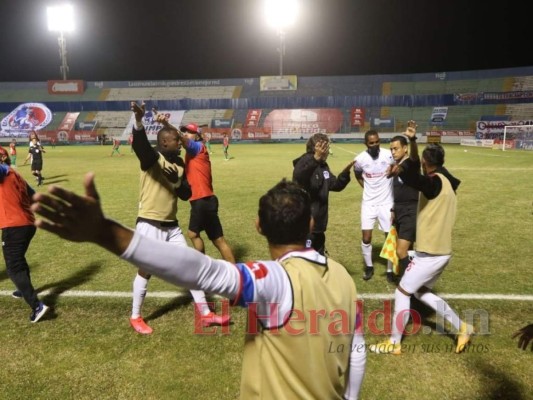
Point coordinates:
[[61, 19], [281, 14]]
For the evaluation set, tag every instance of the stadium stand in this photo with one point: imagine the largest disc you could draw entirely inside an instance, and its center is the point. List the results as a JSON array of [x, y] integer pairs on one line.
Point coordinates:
[[171, 93], [467, 96]]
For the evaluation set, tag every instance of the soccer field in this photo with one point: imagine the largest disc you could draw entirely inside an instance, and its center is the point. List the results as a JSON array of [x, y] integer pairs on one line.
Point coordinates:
[[85, 348]]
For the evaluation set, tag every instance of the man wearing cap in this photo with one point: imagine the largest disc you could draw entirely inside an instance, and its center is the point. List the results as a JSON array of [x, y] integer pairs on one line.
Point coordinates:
[[17, 224], [204, 202]]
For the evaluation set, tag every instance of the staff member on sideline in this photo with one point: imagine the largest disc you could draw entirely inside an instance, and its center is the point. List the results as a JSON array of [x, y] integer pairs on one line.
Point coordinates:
[[17, 224], [286, 357]]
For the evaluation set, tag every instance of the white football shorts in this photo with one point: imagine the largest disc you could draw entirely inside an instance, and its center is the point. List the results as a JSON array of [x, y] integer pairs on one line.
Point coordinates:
[[423, 270], [372, 213]]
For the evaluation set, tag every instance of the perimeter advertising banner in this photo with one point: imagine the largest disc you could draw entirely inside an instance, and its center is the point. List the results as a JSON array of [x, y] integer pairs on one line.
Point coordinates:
[[494, 129], [216, 134], [25, 118], [295, 123]]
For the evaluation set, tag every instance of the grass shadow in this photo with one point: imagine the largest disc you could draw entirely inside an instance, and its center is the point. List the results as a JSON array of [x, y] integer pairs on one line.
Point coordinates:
[[240, 253], [497, 384], [76, 279], [170, 306]]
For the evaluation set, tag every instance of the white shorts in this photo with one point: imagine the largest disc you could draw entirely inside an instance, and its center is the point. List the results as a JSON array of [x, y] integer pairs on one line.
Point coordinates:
[[423, 270], [380, 213], [167, 234]]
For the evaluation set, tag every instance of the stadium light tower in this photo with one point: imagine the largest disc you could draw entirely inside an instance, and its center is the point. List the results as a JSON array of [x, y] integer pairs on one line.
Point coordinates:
[[61, 19], [281, 14]]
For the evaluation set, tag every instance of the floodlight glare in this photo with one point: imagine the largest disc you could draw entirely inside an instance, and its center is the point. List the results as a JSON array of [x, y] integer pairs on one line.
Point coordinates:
[[60, 18], [281, 13]]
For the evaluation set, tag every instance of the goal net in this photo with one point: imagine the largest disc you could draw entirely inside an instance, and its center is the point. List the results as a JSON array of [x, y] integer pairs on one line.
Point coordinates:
[[519, 137]]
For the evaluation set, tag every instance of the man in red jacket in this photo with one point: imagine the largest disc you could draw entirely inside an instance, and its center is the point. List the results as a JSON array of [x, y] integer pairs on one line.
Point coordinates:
[[17, 224]]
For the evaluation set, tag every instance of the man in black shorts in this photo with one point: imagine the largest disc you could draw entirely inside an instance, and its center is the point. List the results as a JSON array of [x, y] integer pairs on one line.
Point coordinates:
[[204, 202], [36, 154], [405, 197]]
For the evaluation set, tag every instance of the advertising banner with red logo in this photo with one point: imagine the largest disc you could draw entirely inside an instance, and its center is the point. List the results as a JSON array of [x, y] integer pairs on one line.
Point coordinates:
[[68, 121], [357, 116], [239, 134], [295, 123], [66, 126], [252, 118], [66, 87]]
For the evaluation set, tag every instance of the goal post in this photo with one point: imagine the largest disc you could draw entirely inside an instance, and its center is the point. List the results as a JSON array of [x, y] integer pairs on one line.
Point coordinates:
[[518, 137]]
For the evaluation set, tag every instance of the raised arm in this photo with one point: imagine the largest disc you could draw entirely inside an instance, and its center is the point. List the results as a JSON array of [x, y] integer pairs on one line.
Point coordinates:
[[410, 132], [140, 144]]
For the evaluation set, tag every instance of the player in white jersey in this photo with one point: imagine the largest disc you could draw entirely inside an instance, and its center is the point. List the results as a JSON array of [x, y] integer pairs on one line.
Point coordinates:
[[295, 300], [372, 169]]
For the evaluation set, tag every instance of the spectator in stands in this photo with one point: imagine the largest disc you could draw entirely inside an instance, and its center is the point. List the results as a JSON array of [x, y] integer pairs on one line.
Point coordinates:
[[225, 145], [36, 154], [372, 168], [284, 358], [17, 225], [405, 197], [162, 182], [311, 171], [204, 202]]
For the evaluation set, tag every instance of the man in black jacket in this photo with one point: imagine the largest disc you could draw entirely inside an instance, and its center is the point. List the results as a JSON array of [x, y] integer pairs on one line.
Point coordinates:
[[311, 171]]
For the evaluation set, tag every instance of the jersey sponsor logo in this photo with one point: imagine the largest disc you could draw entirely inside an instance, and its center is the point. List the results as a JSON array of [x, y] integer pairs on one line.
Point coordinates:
[[258, 269], [374, 175]]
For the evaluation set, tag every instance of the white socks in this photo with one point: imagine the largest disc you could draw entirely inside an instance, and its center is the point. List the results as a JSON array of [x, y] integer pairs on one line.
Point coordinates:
[[366, 249], [200, 301], [441, 308], [402, 305], [140, 285]]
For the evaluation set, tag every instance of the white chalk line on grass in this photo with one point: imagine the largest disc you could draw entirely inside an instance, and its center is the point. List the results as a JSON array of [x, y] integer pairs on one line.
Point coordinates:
[[369, 296], [343, 149]]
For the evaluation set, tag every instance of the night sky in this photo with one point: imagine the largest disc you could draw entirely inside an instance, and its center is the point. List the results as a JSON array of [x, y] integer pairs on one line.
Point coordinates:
[[215, 39]]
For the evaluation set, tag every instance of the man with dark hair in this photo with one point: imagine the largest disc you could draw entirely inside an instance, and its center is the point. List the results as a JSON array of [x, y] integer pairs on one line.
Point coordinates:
[[162, 181], [372, 168], [433, 247], [204, 202], [300, 305], [17, 225], [405, 196], [312, 172]]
